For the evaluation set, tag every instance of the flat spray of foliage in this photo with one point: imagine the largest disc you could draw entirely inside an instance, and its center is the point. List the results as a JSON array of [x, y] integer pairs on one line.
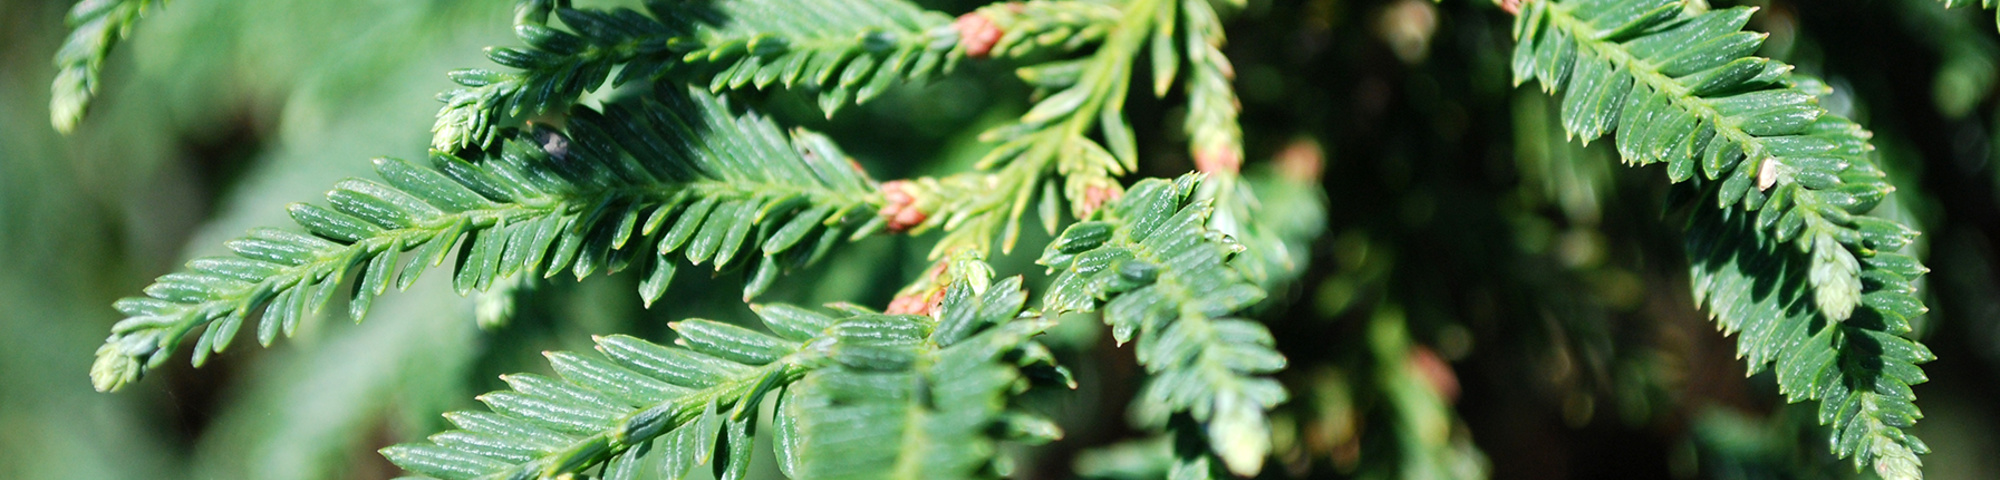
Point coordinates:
[[96, 25], [1783, 252]]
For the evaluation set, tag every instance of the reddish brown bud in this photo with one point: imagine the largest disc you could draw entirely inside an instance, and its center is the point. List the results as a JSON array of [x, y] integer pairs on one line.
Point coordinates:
[[905, 305], [1219, 159], [923, 298], [977, 34], [916, 303], [907, 219], [899, 206], [1513, 7], [897, 193], [1095, 196]]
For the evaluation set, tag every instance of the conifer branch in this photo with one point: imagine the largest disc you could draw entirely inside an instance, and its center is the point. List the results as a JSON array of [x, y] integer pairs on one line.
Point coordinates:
[[1215, 136], [863, 396], [1216, 144], [936, 411], [1859, 369], [1081, 96], [700, 401], [840, 50], [1678, 85], [1033, 29], [96, 26], [1161, 276], [683, 174], [525, 179]]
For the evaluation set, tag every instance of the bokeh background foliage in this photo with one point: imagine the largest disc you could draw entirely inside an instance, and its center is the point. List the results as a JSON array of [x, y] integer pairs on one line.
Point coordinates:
[[1481, 296]]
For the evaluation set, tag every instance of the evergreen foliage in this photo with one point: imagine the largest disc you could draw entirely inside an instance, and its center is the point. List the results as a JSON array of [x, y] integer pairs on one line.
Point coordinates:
[[1081, 96], [1859, 369], [679, 173], [96, 26], [1214, 133], [924, 408], [841, 50], [1161, 276], [864, 395], [1679, 86], [1078, 97], [615, 139]]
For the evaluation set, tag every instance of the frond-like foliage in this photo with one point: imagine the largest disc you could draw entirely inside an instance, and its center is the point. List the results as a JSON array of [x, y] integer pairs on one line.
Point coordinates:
[[97, 25], [683, 173], [555, 69], [1077, 129], [1987, 4], [699, 401], [1036, 27], [1214, 134], [1275, 240], [1860, 369], [1160, 275], [1679, 86], [1080, 96], [877, 396], [842, 50], [1090, 96], [921, 409]]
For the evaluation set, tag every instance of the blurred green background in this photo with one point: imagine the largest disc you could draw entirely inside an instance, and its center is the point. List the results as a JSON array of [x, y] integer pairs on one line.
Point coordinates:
[[1463, 231]]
